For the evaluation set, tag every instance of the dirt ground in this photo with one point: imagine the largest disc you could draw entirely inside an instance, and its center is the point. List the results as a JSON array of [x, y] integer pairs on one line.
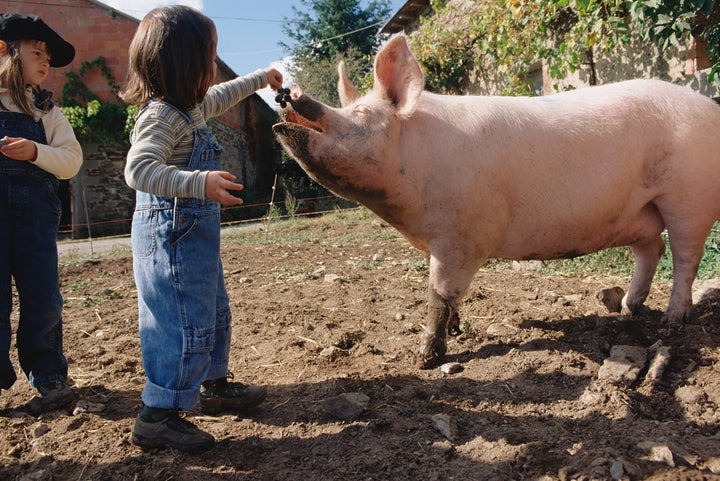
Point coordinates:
[[334, 306]]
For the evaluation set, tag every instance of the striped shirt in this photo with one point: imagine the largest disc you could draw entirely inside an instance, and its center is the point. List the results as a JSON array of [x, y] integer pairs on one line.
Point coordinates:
[[162, 140]]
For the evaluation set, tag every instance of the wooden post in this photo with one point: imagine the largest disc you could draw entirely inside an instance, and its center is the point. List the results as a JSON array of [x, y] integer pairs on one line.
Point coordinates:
[[87, 222]]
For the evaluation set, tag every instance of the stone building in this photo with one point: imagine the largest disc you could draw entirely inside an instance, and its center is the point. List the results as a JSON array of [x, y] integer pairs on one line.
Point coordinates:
[[686, 65], [97, 200]]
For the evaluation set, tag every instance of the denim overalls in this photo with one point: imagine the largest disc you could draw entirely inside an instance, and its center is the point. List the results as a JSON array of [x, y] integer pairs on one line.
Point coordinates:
[[29, 218], [184, 312]]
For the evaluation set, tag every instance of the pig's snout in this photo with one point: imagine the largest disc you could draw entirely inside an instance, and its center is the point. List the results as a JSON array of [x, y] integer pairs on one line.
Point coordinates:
[[294, 117], [295, 129], [303, 110]]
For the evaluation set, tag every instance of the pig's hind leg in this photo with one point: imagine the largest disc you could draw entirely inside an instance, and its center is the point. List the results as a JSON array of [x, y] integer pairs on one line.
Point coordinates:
[[688, 247], [647, 255]]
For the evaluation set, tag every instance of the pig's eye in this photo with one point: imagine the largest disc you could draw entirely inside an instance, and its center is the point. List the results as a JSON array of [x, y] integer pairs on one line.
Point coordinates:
[[361, 110]]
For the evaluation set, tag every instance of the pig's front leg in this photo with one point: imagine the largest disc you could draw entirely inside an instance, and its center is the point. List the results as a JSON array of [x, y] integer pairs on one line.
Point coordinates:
[[442, 314], [450, 276]]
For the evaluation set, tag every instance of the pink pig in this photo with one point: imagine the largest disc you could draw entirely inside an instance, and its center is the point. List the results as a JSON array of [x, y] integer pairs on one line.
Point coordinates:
[[467, 178]]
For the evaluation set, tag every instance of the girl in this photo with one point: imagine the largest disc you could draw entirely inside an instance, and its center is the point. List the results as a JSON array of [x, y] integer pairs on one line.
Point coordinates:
[[39, 147], [173, 163]]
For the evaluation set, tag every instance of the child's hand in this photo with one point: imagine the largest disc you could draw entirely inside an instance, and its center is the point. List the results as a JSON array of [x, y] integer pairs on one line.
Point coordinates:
[[19, 148], [217, 185], [274, 77]]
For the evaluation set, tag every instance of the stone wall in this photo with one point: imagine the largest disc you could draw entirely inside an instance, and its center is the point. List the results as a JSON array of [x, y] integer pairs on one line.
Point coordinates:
[[635, 60], [101, 203], [686, 65]]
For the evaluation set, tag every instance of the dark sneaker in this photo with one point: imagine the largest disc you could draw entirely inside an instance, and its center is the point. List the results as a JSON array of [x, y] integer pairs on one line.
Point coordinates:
[[55, 395], [220, 395], [165, 428]]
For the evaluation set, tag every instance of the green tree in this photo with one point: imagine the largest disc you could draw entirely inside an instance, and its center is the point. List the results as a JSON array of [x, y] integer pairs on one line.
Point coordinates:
[[668, 23], [326, 31], [505, 38]]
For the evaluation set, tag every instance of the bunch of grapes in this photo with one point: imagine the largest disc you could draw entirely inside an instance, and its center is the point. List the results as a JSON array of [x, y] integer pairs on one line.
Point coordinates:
[[283, 97]]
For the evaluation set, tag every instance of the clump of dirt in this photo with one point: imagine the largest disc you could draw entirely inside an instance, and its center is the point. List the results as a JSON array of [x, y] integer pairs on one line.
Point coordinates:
[[329, 311]]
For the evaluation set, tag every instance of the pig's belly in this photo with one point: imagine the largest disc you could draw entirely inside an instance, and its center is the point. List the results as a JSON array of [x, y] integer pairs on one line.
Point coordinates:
[[568, 238]]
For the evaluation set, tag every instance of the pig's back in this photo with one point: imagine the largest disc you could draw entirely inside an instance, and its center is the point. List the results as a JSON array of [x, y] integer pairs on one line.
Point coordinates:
[[588, 161], [616, 128]]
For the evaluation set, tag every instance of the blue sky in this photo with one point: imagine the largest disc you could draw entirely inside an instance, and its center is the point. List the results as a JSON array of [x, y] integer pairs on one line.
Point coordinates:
[[248, 30]]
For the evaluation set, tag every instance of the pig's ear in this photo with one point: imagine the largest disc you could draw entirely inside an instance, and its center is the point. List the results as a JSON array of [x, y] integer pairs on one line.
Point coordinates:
[[398, 76], [346, 90]]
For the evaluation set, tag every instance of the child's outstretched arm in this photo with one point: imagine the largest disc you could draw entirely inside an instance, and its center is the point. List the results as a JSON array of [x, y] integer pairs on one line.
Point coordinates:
[[224, 95]]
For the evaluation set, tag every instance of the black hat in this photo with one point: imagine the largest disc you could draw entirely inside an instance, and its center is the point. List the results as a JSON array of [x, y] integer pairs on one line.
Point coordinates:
[[16, 26]]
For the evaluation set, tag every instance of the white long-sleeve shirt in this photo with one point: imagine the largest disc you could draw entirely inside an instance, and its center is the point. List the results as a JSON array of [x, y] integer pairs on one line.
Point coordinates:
[[62, 156]]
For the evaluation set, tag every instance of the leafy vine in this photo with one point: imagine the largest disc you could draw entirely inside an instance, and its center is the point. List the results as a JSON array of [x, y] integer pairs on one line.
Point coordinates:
[[93, 120], [503, 40]]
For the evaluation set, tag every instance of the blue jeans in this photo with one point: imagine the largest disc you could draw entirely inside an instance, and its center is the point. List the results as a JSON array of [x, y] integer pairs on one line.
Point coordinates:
[[29, 218], [184, 312]]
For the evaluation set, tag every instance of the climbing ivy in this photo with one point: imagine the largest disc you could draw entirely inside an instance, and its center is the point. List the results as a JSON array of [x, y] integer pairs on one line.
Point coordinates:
[[505, 39], [668, 23], [94, 120]]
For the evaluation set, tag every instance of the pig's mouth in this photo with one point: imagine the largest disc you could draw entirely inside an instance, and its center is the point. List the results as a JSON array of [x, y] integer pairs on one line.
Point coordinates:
[[296, 130], [292, 117]]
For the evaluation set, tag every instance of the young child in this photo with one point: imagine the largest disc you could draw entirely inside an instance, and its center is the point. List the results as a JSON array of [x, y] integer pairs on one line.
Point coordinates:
[[39, 147], [174, 164]]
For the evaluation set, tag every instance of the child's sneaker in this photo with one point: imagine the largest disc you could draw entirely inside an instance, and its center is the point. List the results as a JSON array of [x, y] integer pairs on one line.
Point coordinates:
[[165, 428], [55, 395], [219, 395]]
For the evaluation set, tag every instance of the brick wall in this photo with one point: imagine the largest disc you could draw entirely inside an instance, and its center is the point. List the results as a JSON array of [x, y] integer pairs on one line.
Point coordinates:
[[96, 30]]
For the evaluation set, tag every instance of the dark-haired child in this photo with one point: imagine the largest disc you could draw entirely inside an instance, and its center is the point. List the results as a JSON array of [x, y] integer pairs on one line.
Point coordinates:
[[174, 164]]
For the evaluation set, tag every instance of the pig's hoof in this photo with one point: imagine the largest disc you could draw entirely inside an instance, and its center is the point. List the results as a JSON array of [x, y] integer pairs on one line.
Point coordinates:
[[636, 309], [430, 356], [427, 362], [453, 328], [674, 321], [431, 350]]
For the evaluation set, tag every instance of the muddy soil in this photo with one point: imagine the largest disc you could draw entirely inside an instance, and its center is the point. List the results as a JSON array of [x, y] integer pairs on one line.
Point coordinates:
[[334, 306]]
